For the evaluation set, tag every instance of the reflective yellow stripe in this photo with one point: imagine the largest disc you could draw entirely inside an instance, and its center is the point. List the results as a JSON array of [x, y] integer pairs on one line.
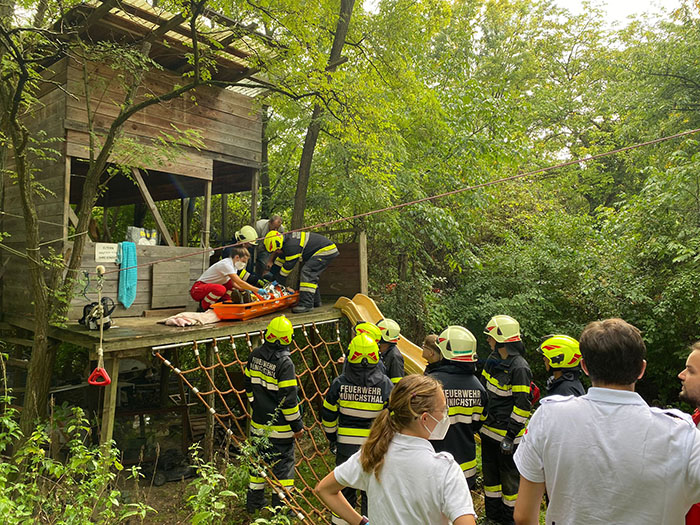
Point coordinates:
[[468, 465], [284, 272], [493, 488], [242, 274], [509, 497], [308, 285], [521, 412], [359, 432], [292, 257], [289, 411], [467, 411], [329, 424], [288, 383], [521, 388], [325, 249], [303, 240], [360, 405], [495, 382], [255, 479], [267, 379], [332, 408], [287, 482], [274, 428], [503, 432], [396, 379]]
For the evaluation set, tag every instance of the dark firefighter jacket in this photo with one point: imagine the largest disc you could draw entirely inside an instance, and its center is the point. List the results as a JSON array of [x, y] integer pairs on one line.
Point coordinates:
[[508, 384], [300, 245], [466, 400], [393, 362], [271, 383], [354, 399], [568, 384], [251, 278]]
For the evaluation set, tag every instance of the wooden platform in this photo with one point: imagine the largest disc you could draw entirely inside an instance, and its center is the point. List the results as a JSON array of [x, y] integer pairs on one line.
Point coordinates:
[[131, 336]]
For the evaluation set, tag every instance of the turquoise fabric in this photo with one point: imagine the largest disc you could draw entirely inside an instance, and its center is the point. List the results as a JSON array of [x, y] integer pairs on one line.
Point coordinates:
[[127, 277]]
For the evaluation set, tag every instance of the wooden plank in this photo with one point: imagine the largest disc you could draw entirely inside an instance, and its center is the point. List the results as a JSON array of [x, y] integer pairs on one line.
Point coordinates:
[[109, 405], [162, 228], [171, 284], [364, 273]]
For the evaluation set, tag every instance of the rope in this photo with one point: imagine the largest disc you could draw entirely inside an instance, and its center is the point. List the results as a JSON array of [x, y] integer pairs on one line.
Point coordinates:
[[316, 363], [439, 195]]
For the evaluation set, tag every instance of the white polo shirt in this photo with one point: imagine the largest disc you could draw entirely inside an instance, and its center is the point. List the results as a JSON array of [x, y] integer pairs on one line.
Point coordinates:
[[418, 486], [218, 273], [608, 458]]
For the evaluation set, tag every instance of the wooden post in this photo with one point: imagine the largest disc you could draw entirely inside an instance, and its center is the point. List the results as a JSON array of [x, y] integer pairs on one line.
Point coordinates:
[[211, 400], [254, 197], [206, 223], [224, 218], [364, 278], [109, 405], [160, 223], [184, 221], [164, 379]]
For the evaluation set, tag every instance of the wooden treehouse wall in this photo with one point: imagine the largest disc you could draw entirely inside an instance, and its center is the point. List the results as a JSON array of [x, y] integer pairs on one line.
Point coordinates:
[[228, 124]]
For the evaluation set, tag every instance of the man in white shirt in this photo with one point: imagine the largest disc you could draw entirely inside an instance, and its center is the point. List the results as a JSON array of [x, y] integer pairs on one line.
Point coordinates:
[[607, 457]]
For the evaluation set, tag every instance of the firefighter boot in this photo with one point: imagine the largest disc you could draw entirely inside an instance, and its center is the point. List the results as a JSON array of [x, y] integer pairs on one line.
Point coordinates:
[[306, 303]]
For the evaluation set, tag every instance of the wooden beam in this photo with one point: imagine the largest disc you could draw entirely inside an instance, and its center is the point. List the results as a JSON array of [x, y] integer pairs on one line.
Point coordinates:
[[206, 224], [224, 218], [109, 405], [152, 206], [184, 221], [364, 277], [72, 217], [254, 183]]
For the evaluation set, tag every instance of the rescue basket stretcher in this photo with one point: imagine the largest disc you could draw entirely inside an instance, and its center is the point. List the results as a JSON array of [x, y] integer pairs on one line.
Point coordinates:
[[243, 311]]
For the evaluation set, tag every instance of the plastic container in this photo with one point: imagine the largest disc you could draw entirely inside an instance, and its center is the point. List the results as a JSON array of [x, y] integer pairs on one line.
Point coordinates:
[[245, 311]]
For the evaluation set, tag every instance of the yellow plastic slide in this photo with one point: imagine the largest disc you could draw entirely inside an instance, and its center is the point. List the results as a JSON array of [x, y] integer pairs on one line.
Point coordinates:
[[362, 308]]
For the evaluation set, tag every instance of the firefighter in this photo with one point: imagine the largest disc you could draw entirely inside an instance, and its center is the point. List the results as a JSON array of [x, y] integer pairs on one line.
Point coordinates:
[[390, 353], [221, 279], [562, 357], [465, 395], [354, 399], [271, 387], [315, 252], [507, 378]]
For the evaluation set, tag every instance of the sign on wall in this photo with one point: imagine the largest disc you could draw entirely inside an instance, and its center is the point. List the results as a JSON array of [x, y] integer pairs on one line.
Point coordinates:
[[106, 252]]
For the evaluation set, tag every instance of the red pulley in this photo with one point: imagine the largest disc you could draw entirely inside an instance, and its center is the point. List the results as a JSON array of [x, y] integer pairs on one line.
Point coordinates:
[[99, 377]]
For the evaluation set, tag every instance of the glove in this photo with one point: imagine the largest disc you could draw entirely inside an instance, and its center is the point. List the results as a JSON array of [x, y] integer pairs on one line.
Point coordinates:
[[507, 446], [262, 292], [274, 283], [333, 447]]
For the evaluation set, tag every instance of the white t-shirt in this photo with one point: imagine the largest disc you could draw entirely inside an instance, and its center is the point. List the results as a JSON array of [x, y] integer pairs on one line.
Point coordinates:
[[218, 273], [608, 458], [418, 486]]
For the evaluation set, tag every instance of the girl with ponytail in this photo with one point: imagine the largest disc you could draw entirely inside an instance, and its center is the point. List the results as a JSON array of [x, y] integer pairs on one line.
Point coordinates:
[[406, 482]]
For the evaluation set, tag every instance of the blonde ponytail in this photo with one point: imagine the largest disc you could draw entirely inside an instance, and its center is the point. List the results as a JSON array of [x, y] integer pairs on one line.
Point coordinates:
[[410, 398]]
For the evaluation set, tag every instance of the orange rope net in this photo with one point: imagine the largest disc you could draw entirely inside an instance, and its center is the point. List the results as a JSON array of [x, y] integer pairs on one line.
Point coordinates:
[[216, 379]]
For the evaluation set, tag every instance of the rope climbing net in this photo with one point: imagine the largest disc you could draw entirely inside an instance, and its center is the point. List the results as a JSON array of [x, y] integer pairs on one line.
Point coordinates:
[[216, 379]]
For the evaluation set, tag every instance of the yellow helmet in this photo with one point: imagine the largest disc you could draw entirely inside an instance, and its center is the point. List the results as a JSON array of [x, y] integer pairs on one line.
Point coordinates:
[[457, 344], [247, 234], [280, 329], [370, 329], [503, 328], [390, 330], [363, 347], [273, 241], [561, 351]]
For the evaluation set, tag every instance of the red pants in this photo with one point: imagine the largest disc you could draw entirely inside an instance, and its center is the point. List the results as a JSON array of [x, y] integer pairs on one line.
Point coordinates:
[[208, 294]]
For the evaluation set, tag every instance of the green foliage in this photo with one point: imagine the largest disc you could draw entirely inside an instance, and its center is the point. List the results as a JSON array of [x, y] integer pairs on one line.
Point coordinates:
[[77, 489]]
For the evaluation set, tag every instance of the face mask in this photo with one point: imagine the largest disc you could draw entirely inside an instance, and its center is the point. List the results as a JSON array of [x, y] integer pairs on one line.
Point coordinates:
[[239, 265], [441, 428]]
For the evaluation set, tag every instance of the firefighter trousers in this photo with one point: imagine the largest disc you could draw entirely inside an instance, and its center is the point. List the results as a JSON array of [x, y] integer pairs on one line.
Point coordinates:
[[501, 480], [309, 294], [280, 455]]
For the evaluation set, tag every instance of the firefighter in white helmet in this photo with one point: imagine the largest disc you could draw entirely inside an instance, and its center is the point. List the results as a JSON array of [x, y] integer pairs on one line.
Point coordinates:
[[465, 395], [507, 378], [391, 355]]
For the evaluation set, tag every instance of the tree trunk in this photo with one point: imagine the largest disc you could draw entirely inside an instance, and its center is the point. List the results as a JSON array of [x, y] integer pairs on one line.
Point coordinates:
[[307, 154]]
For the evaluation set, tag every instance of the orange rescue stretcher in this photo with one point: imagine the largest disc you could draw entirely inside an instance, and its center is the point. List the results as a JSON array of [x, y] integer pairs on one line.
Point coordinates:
[[244, 311]]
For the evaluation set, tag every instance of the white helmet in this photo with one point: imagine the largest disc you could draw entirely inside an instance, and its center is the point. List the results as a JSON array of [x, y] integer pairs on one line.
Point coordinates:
[[503, 328], [390, 330], [457, 344], [247, 234]]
